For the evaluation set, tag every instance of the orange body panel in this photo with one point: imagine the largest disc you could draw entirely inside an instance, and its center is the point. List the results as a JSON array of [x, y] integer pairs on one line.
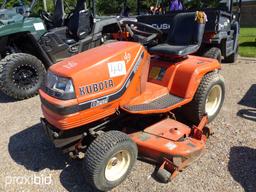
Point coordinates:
[[77, 119], [182, 78], [152, 91], [111, 76], [91, 67]]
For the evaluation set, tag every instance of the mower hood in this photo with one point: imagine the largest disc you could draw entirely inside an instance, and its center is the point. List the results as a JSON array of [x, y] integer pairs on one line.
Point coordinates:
[[101, 71]]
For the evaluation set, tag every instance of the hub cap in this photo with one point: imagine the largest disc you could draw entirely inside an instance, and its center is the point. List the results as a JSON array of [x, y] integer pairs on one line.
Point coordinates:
[[25, 77], [117, 166], [213, 100]]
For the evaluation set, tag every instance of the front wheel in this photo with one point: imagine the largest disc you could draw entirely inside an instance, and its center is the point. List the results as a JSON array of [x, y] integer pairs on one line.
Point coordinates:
[[21, 75], [208, 99], [109, 159], [214, 53]]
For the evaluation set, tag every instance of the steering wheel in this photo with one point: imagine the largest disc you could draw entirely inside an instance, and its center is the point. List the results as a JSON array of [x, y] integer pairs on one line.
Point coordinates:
[[142, 32], [45, 16]]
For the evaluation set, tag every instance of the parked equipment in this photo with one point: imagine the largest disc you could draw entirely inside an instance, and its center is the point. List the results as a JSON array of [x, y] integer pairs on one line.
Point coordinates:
[[112, 102], [29, 45], [221, 32]]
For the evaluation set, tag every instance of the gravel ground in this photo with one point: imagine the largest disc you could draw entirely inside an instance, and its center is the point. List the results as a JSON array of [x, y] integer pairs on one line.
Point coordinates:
[[29, 162]]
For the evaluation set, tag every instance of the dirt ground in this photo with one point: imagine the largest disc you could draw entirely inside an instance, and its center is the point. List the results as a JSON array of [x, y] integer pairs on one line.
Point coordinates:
[[29, 162]]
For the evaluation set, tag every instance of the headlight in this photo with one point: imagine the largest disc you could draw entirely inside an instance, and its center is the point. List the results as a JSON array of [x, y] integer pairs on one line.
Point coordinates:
[[59, 87]]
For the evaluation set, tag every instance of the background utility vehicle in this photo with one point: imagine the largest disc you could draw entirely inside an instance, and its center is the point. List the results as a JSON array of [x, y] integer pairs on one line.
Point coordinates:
[[221, 32], [29, 45]]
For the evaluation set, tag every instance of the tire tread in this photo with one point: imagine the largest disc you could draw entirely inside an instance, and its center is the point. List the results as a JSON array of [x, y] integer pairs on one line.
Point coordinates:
[[193, 111], [11, 60], [98, 148]]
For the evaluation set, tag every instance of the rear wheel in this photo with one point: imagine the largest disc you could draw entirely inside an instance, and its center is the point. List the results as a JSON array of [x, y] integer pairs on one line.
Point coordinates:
[[21, 75], [109, 159], [208, 99], [214, 53], [233, 57]]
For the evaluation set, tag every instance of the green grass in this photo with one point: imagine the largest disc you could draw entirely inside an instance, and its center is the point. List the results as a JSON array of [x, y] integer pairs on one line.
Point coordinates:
[[247, 42]]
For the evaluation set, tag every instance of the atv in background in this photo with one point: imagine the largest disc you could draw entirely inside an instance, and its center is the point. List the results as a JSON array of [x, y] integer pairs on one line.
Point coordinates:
[[221, 32], [29, 45]]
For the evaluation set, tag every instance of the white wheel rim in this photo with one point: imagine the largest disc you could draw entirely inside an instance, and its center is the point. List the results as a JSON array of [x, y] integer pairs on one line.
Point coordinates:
[[213, 100], [117, 166]]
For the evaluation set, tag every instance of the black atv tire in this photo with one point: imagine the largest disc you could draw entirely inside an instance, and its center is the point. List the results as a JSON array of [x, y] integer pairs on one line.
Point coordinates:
[[21, 75], [102, 153], [214, 53], [196, 109], [232, 58]]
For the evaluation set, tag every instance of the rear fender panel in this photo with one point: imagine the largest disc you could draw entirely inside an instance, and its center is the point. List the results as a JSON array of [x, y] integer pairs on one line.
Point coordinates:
[[189, 74]]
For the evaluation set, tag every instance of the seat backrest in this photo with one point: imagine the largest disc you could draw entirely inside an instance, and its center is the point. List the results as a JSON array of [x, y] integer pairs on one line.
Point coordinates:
[[186, 30], [85, 24], [58, 14], [79, 24]]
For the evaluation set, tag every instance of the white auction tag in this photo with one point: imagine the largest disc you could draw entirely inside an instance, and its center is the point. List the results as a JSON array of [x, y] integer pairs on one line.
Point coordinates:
[[39, 26], [117, 68]]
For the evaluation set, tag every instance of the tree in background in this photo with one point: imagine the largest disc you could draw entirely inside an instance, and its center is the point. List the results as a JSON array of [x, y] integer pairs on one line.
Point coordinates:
[[197, 4], [1, 3], [115, 7]]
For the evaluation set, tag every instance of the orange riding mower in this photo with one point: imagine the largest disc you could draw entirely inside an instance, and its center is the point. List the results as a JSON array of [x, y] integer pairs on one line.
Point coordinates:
[[119, 101]]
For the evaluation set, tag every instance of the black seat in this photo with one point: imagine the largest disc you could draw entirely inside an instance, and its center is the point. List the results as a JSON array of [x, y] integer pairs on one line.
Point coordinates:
[[80, 22], [184, 37], [58, 14]]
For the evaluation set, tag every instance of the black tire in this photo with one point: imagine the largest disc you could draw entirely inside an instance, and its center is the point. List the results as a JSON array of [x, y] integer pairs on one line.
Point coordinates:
[[100, 152], [214, 53], [196, 109], [232, 58], [21, 75]]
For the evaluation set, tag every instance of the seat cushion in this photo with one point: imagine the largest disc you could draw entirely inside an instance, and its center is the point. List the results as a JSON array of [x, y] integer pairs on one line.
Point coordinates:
[[173, 50]]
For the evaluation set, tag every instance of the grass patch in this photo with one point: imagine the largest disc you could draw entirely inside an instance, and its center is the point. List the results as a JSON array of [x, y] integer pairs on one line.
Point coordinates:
[[247, 42]]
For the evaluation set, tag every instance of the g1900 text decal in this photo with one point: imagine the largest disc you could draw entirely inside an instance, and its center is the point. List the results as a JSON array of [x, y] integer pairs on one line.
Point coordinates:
[[96, 87], [98, 102]]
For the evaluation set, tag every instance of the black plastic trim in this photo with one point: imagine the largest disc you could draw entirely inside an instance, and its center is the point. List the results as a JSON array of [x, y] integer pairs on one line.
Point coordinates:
[[59, 109]]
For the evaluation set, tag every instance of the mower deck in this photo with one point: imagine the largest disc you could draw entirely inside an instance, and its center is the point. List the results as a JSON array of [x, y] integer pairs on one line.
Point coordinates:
[[171, 144]]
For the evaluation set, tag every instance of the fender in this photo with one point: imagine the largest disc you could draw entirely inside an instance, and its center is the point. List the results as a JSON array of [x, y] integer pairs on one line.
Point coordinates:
[[188, 76], [40, 52], [31, 25]]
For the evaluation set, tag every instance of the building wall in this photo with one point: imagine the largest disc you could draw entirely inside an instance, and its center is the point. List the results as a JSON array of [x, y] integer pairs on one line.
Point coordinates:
[[248, 14]]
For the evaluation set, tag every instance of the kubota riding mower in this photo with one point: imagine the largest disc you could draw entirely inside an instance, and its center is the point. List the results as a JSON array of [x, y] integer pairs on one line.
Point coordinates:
[[109, 103]]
